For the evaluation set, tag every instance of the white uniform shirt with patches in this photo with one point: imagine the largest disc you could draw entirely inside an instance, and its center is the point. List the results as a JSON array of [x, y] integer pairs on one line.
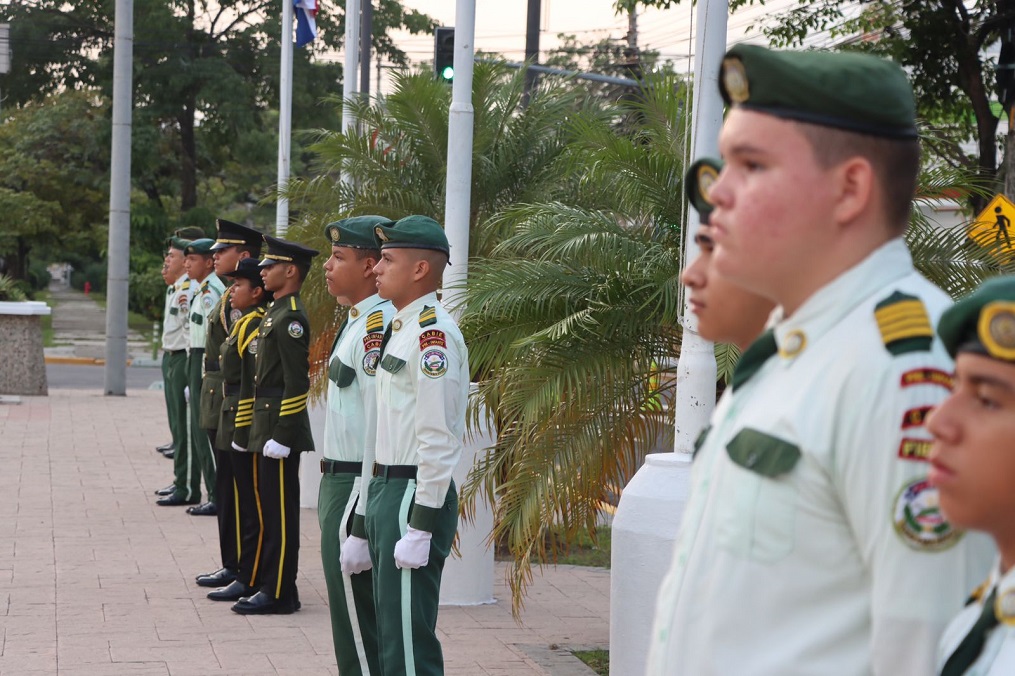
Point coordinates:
[[998, 655], [421, 402], [202, 304], [351, 423], [841, 564], [176, 318]]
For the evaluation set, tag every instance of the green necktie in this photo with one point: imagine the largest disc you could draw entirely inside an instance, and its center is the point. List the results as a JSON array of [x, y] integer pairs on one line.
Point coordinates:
[[384, 341], [345, 323], [972, 644], [754, 357]]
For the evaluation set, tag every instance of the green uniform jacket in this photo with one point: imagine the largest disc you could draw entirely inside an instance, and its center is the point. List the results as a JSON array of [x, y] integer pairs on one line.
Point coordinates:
[[282, 378], [220, 322], [237, 360]]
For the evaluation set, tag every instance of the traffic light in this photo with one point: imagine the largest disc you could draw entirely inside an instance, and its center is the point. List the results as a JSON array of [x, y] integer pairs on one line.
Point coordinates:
[[444, 53]]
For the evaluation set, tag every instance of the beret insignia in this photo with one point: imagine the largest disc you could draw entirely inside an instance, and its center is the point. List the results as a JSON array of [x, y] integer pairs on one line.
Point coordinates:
[[904, 324], [335, 235], [996, 329], [380, 234], [706, 177], [734, 77]]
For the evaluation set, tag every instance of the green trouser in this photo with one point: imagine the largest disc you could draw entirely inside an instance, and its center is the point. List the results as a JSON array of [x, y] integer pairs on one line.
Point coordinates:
[[350, 597], [406, 600], [174, 379], [185, 464], [203, 460]]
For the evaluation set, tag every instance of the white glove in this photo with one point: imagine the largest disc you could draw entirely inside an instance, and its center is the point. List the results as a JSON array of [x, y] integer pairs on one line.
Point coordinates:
[[236, 447], [413, 550], [273, 449], [355, 556], [186, 393]]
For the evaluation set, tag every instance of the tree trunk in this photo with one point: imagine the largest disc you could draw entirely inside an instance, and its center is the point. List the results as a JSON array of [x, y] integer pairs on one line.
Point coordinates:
[[188, 158]]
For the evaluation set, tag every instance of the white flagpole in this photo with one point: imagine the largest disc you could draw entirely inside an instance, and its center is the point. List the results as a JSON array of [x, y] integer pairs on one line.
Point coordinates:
[[285, 104], [350, 74]]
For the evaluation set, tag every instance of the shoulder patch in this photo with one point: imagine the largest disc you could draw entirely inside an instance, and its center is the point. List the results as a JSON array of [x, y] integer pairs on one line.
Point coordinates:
[[904, 324], [428, 316], [918, 519], [926, 376], [295, 329], [375, 321], [432, 338]]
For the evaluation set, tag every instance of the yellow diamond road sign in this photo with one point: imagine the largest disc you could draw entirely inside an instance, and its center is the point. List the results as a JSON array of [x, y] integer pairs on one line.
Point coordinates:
[[993, 225]]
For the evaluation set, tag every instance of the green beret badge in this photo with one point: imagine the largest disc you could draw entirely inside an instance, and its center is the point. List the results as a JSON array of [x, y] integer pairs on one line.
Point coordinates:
[[335, 235], [707, 175], [380, 234], [734, 77], [997, 329]]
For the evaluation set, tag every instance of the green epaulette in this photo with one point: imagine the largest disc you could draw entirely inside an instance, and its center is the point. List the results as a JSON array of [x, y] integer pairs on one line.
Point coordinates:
[[428, 316], [375, 321], [904, 324]]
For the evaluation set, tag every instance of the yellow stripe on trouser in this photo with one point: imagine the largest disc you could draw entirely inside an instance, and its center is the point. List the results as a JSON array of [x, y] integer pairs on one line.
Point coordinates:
[[281, 554], [260, 523], [403, 521], [239, 531]]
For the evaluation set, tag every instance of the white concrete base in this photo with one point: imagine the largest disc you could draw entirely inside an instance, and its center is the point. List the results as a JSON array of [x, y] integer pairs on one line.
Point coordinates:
[[468, 580], [310, 463], [644, 530], [27, 307]]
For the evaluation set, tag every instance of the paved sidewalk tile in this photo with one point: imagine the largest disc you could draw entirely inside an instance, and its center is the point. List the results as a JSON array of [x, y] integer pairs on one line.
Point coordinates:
[[96, 580]]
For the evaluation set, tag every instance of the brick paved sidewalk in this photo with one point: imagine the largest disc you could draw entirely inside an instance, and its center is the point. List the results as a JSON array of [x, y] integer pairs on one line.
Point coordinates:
[[95, 579]]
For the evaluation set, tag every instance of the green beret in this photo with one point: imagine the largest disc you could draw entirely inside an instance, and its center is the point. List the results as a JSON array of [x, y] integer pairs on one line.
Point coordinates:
[[413, 232], [284, 251], [190, 232], [846, 90], [698, 181], [178, 243], [200, 246], [356, 232], [983, 322]]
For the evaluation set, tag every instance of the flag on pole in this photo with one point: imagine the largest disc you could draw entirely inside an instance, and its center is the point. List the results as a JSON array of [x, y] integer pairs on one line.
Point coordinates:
[[306, 21]]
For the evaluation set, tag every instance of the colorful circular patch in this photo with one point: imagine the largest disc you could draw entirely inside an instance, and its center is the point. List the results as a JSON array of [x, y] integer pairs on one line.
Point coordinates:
[[252, 347], [234, 315], [207, 301], [918, 518], [295, 329], [370, 360], [434, 363]]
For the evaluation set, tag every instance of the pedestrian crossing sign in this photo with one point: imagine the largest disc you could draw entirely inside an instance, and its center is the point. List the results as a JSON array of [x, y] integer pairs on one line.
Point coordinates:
[[992, 227]]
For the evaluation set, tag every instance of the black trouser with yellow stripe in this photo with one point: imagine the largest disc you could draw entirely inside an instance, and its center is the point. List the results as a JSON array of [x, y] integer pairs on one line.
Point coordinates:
[[225, 501], [350, 597], [248, 520], [406, 600], [279, 490]]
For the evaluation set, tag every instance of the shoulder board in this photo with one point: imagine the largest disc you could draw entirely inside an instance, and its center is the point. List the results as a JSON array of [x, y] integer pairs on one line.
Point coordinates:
[[292, 302], [186, 285], [904, 324], [428, 316], [204, 285], [375, 321]]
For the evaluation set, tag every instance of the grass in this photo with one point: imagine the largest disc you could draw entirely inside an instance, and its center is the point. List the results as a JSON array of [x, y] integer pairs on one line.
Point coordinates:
[[598, 660], [584, 552], [135, 322]]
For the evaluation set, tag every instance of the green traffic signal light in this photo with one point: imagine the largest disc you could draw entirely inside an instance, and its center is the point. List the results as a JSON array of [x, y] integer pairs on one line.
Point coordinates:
[[448, 73]]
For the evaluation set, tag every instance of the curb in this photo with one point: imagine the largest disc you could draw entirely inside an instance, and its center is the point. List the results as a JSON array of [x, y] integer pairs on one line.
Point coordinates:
[[79, 361]]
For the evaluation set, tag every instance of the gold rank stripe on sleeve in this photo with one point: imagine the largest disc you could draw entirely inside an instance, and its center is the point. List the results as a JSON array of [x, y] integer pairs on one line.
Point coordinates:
[[904, 324], [375, 321], [428, 316], [245, 413], [293, 405]]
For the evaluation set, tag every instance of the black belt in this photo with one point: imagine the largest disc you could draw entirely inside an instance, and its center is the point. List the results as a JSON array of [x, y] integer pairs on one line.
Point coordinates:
[[340, 467], [183, 351], [230, 390], [395, 471], [196, 350], [268, 392], [210, 366]]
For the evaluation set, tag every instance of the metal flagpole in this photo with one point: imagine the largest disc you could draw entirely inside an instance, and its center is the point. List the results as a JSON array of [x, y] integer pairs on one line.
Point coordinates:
[[350, 73], [285, 104]]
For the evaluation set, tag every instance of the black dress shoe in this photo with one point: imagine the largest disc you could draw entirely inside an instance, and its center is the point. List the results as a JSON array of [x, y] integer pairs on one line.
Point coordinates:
[[171, 453], [168, 490], [234, 592], [164, 447], [204, 509], [220, 578], [263, 604], [174, 500]]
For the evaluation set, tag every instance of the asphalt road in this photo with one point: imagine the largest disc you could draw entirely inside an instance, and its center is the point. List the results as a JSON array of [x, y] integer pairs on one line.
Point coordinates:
[[93, 376]]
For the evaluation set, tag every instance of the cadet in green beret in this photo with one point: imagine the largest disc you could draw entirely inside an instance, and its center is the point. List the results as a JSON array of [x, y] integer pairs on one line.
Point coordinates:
[[350, 427], [411, 512], [206, 289], [812, 539], [233, 243], [973, 468], [249, 298], [281, 425], [726, 313], [174, 346]]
